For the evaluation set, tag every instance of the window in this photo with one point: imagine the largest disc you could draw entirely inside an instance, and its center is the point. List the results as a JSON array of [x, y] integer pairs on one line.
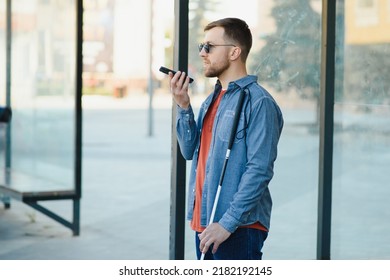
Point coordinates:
[[366, 12]]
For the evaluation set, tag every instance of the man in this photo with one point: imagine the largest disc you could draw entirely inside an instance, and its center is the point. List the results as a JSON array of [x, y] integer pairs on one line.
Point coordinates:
[[242, 216]]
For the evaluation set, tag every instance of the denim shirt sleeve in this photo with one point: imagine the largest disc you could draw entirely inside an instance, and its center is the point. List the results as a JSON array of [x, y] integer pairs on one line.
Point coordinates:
[[264, 129], [187, 132]]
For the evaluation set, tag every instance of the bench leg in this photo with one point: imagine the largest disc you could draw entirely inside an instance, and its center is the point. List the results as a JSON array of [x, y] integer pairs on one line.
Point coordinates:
[[6, 201]]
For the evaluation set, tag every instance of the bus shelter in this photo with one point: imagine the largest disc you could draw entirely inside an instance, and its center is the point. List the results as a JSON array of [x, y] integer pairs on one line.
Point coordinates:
[[40, 147]]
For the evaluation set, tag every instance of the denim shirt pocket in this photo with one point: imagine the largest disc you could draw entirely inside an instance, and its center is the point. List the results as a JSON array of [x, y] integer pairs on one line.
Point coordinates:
[[225, 125]]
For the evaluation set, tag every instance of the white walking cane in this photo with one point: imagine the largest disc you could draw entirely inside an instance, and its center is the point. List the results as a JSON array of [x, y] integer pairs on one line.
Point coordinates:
[[230, 144]]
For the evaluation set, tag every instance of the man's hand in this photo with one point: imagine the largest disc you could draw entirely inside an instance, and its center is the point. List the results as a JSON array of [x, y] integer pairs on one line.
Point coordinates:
[[179, 88], [213, 234]]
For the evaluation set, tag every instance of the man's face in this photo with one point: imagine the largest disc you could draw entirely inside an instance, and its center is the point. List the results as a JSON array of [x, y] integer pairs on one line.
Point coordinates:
[[216, 61]]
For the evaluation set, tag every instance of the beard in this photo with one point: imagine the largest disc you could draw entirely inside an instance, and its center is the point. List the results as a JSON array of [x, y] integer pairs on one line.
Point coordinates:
[[216, 70]]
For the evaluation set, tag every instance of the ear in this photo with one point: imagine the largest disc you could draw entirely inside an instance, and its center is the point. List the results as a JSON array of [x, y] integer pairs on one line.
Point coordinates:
[[235, 53]]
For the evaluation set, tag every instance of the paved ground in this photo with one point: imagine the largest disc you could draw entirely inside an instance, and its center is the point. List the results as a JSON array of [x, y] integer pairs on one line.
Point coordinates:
[[125, 206]]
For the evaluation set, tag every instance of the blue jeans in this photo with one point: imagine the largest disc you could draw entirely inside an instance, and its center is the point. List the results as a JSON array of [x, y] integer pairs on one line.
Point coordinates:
[[243, 244]]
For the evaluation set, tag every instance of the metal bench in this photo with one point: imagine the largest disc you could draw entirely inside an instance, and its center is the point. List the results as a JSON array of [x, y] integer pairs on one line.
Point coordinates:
[[22, 186]]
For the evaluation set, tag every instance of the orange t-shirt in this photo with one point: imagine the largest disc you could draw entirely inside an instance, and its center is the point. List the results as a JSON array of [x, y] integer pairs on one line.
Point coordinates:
[[205, 140]]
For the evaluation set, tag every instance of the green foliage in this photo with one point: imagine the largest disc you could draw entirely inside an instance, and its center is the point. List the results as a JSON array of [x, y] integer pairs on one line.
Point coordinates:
[[198, 11], [291, 55], [367, 71]]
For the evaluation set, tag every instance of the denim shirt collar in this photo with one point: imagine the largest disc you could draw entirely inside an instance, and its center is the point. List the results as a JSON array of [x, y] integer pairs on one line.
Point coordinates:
[[241, 83]]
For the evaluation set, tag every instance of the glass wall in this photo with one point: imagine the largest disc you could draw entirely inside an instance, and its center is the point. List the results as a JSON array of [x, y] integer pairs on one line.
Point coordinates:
[[361, 192], [127, 115], [43, 89], [2, 76], [286, 58]]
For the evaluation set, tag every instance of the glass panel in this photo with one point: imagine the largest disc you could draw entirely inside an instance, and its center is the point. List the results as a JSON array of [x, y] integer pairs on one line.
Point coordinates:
[[286, 57], [43, 91], [2, 75], [361, 213], [2, 50], [127, 134]]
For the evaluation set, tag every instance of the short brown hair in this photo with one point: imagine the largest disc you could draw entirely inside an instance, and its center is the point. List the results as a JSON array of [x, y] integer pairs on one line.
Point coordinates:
[[236, 30]]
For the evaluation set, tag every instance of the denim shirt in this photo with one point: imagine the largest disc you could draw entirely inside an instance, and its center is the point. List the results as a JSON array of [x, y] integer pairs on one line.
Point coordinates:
[[245, 197]]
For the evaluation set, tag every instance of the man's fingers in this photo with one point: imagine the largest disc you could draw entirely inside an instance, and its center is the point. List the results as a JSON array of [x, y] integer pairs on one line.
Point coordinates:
[[182, 78], [214, 235], [205, 242], [202, 242], [215, 247], [179, 89], [205, 247], [179, 80], [174, 79], [186, 83]]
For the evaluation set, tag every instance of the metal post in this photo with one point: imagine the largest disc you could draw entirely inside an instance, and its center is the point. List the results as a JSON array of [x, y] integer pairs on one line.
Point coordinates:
[[178, 171], [150, 83], [8, 80], [78, 121], [7, 154], [326, 129]]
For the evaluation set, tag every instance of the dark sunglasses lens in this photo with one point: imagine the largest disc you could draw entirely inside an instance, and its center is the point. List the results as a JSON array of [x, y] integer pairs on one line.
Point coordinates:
[[206, 47]]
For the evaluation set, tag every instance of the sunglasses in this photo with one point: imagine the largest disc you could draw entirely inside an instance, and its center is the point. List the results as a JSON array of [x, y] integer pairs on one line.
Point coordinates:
[[207, 46]]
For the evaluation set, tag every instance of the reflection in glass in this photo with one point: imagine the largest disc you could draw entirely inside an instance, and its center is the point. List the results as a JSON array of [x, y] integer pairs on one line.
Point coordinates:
[[361, 212], [43, 89], [286, 57], [2, 76]]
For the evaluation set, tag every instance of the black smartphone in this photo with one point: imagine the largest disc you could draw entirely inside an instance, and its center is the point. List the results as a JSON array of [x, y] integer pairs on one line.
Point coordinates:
[[166, 70]]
